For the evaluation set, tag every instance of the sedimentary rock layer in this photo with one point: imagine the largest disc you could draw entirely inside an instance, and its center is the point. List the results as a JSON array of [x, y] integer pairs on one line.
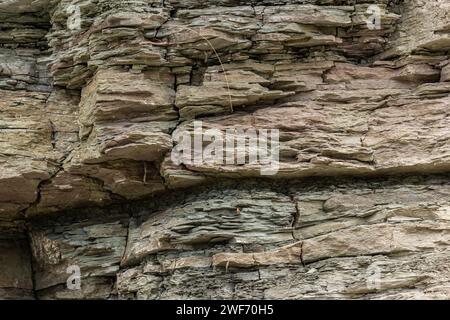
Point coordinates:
[[315, 239], [98, 95]]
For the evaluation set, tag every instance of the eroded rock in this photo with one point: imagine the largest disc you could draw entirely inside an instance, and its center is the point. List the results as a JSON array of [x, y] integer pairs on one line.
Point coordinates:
[[98, 98]]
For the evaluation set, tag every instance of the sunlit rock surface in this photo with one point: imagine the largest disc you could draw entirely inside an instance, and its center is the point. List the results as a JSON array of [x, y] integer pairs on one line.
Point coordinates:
[[96, 95]]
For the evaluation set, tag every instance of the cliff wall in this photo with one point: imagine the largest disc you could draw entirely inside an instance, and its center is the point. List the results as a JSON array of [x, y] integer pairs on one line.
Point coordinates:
[[98, 99]]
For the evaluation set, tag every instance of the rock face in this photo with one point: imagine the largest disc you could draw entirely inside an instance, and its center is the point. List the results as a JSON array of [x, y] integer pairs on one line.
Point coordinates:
[[101, 97]]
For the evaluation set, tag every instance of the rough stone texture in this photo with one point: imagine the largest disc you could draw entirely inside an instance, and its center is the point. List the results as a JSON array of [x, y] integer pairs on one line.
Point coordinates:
[[319, 246], [91, 111]]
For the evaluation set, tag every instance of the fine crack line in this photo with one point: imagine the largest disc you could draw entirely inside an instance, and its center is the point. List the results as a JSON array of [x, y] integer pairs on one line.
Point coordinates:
[[301, 255], [33, 272]]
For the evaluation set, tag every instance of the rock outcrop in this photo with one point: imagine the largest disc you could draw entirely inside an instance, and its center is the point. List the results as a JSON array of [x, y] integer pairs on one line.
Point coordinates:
[[99, 95]]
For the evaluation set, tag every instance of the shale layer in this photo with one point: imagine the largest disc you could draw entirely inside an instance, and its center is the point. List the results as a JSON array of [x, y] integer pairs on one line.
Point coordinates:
[[95, 94]]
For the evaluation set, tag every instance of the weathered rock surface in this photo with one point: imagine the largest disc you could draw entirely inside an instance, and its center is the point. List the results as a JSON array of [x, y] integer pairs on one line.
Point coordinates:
[[97, 96]]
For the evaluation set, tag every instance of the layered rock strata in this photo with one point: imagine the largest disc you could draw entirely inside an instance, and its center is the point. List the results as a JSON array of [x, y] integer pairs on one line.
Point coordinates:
[[97, 93]]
